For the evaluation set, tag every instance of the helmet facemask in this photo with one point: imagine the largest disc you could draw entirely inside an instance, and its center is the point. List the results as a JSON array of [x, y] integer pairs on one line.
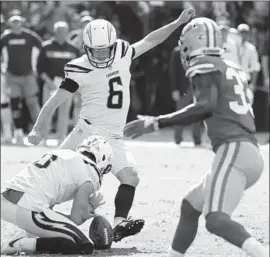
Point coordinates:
[[185, 58], [100, 57]]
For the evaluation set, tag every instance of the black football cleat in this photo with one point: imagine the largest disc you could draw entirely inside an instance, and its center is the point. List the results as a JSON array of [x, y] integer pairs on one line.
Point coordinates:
[[127, 228]]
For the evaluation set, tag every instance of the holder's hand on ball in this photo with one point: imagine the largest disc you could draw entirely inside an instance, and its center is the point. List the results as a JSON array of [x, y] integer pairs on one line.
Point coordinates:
[[96, 200]]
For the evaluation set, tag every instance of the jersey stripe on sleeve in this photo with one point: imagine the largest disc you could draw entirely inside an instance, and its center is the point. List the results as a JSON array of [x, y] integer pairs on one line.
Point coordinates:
[[76, 68], [125, 47]]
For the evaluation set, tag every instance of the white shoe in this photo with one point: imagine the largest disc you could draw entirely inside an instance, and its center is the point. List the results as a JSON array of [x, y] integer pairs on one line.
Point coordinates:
[[12, 246], [18, 137]]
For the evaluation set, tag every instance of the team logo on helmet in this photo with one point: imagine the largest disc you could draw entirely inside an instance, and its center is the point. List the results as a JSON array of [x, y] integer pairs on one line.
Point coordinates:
[[99, 151]]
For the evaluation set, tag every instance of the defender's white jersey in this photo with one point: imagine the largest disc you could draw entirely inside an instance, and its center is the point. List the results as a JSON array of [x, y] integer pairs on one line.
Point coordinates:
[[54, 178], [105, 92]]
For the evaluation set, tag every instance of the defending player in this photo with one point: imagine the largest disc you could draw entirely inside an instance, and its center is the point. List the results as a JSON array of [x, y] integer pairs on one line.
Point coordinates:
[[102, 77], [223, 102], [27, 199]]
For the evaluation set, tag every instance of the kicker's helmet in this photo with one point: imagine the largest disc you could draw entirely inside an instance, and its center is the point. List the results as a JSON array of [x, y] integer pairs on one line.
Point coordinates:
[[99, 39], [201, 36], [98, 150]]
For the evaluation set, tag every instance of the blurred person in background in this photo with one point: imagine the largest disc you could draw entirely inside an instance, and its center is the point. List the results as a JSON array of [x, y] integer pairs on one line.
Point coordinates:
[[248, 55], [265, 62], [53, 12], [265, 69], [6, 118], [182, 95], [19, 50], [55, 54], [230, 46], [76, 36]]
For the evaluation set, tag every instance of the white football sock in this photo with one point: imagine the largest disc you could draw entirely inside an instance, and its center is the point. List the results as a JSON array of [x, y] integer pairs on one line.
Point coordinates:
[[173, 253], [118, 220], [253, 247]]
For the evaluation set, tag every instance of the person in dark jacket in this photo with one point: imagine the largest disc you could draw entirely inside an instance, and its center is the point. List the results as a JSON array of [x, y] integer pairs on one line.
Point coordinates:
[[55, 54], [182, 95], [19, 49]]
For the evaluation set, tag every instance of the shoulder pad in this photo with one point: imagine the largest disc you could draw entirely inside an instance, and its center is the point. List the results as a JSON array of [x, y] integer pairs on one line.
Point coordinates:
[[124, 46], [77, 66], [200, 65]]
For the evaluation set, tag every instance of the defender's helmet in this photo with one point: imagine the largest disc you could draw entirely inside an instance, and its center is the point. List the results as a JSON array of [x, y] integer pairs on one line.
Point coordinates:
[[201, 36], [99, 38], [98, 150]]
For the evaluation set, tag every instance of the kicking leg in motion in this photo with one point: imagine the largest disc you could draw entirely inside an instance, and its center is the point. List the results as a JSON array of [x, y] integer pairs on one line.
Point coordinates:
[[124, 227]]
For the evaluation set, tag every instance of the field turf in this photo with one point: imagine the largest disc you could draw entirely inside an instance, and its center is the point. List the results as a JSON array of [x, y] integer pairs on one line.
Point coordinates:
[[166, 172]]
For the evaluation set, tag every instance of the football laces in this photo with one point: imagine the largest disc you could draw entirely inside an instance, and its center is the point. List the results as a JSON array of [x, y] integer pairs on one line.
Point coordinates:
[[106, 236]]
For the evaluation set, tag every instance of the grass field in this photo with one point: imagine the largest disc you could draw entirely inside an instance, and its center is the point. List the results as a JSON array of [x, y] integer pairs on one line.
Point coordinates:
[[166, 171]]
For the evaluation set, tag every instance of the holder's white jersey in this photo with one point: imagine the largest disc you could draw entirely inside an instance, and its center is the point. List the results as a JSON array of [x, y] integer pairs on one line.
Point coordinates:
[[54, 178], [105, 92]]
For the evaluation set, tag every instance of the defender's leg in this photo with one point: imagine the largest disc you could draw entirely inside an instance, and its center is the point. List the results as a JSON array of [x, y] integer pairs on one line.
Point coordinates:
[[191, 209], [232, 172]]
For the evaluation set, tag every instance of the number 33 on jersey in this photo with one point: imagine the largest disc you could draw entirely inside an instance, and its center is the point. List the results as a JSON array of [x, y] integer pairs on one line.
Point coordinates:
[[233, 116], [105, 92]]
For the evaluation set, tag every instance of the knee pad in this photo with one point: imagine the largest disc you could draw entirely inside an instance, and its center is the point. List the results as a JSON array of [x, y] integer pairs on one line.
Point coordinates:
[[188, 210], [15, 104], [215, 222], [128, 176]]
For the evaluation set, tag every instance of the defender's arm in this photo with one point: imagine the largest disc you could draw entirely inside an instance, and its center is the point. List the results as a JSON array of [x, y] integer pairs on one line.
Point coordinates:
[[207, 96], [158, 36], [201, 110]]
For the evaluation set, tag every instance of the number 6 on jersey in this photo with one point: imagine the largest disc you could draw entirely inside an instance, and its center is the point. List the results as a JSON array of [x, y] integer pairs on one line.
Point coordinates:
[[115, 99]]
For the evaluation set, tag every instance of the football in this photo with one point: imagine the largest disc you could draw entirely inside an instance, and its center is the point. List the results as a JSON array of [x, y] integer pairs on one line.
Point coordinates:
[[101, 233]]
